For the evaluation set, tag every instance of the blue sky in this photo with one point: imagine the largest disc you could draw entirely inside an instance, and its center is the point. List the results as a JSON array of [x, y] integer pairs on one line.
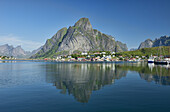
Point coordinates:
[[30, 23]]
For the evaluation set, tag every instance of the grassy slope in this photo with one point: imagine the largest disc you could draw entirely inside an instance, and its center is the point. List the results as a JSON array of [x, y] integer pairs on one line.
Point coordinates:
[[165, 50]]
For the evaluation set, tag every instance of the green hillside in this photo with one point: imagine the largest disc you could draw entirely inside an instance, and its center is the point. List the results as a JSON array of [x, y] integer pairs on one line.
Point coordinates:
[[164, 50]]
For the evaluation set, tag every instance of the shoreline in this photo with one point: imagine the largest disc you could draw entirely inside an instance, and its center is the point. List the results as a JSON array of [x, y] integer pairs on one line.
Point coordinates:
[[76, 61]]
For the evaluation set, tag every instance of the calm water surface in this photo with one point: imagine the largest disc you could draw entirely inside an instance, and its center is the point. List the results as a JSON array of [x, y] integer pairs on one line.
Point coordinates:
[[27, 86]]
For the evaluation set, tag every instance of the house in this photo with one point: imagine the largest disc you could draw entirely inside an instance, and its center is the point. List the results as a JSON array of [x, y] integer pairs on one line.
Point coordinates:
[[109, 57], [80, 58], [137, 56], [83, 60], [69, 57], [143, 56], [167, 58], [113, 53], [155, 56], [103, 52], [84, 53], [97, 53], [58, 57], [72, 59]]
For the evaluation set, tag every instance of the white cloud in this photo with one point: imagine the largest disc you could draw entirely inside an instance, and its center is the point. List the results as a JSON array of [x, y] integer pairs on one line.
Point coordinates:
[[27, 45]]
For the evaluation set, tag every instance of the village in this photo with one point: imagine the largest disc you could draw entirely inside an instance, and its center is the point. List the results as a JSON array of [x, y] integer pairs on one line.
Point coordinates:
[[98, 56], [95, 56], [7, 58]]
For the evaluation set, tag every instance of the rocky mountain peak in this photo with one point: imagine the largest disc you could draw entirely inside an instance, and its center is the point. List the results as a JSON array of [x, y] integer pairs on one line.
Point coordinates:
[[162, 41], [19, 47], [148, 40], [146, 44], [79, 38], [6, 46], [84, 23], [17, 52]]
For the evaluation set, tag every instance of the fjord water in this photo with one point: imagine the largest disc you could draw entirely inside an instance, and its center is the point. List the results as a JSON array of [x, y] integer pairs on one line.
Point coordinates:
[[28, 86]]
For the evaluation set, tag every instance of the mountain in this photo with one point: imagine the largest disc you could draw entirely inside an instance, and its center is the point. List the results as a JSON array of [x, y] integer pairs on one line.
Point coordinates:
[[146, 44], [133, 49], [36, 50], [79, 38], [123, 47], [17, 52], [162, 41]]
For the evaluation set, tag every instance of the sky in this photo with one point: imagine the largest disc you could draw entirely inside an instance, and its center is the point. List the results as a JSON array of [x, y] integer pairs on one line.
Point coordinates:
[[30, 23]]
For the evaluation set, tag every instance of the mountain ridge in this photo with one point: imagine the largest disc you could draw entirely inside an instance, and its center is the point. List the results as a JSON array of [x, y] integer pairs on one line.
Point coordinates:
[[80, 37], [162, 41], [16, 52]]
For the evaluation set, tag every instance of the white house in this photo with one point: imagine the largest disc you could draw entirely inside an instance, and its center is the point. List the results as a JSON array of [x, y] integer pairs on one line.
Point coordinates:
[[58, 57], [113, 53], [109, 57], [69, 57], [137, 56], [143, 56], [84, 53], [103, 52]]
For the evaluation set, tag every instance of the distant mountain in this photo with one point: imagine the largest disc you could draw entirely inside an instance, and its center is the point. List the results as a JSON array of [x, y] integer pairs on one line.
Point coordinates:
[[133, 49], [80, 37], [162, 41], [17, 52], [146, 44]]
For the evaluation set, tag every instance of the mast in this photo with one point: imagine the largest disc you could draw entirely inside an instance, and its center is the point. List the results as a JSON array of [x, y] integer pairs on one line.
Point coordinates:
[[160, 52]]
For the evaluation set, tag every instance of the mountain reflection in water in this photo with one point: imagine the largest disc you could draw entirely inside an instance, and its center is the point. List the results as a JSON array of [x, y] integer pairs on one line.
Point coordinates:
[[81, 79]]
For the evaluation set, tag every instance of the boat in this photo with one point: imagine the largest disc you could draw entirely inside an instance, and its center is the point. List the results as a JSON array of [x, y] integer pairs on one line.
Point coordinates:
[[151, 59], [162, 59], [162, 62]]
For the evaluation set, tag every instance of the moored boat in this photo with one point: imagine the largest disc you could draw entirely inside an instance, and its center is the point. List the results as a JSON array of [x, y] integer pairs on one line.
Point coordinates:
[[162, 62], [151, 59], [161, 59]]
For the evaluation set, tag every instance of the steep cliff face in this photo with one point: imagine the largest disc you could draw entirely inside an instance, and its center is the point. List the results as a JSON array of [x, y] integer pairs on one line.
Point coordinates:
[[80, 37], [162, 41], [36, 50], [146, 44], [121, 46]]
